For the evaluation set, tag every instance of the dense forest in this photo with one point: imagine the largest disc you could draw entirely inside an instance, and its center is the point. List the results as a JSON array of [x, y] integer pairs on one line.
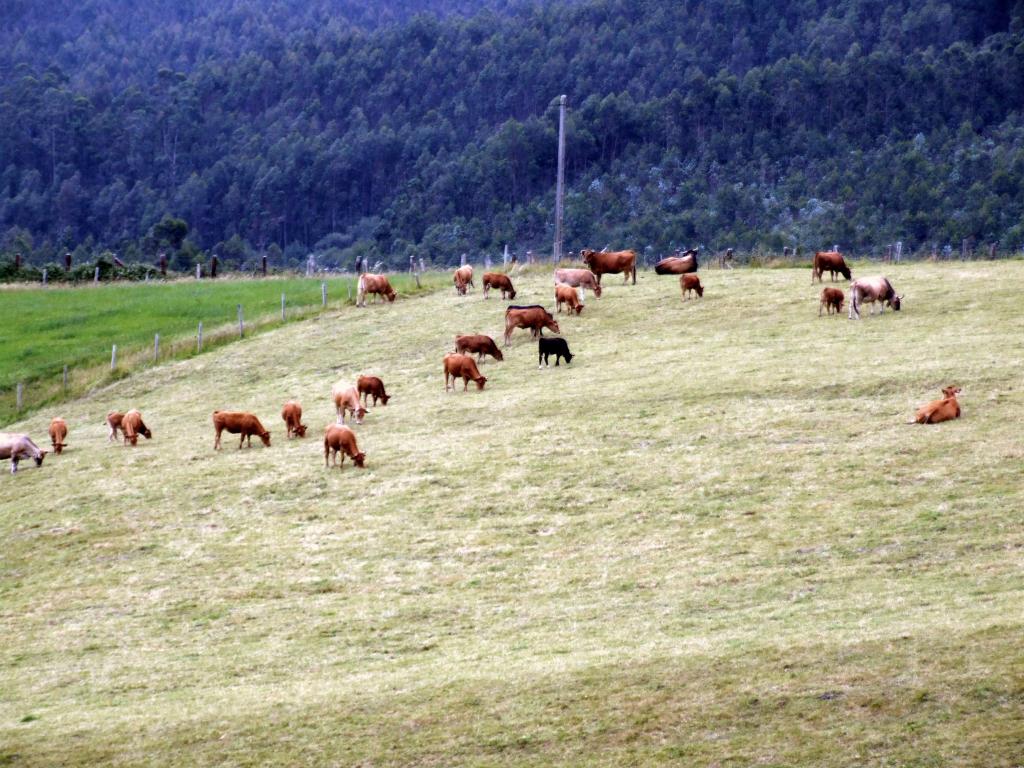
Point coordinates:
[[428, 128]]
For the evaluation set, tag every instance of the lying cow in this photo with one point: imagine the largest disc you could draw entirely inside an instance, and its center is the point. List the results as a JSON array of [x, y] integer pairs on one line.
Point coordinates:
[[463, 279], [579, 278], [688, 283], [114, 419], [833, 261], [16, 447], [500, 282], [937, 411], [870, 290], [239, 423], [532, 316], [480, 344], [555, 346], [462, 367], [346, 400], [371, 386], [378, 285], [58, 434], [678, 265], [339, 439], [132, 426], [610, 262], [831, 298], [292, 415], [565, 294]]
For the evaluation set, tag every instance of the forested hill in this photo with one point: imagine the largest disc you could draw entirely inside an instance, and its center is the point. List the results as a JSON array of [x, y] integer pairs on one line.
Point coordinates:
[[428, 128]]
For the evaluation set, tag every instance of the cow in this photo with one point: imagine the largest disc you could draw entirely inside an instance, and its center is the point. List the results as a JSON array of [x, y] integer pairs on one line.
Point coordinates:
[[292, 415], [463, 279], [832, 261], [480, 344], [459, 366], [554, 346], [532, 316], [689, 283], [872, 289], [678, 265], [938, 411], [831, 298], [132, 426], [499, 281], [610, 262], [346, 399], [114, 419], [58, 433], [579, 278], [238, 423], [371, 386], [15, 446], [566, 294], [339, 439], [375, 284]]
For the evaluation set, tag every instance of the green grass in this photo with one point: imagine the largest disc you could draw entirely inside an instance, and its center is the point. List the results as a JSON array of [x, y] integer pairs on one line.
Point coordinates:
[[711, 540]]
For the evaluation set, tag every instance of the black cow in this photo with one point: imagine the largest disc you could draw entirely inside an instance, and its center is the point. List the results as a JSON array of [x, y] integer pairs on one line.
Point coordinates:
[[553, 345]]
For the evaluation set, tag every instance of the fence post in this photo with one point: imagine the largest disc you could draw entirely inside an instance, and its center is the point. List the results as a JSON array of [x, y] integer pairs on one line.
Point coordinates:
[[156, 347], [19, 395], [240, 326], [282, 307], [113, 357], [96, 275], [65, 379], [350, 292], [199, 338], [44, 275], [323, 294]]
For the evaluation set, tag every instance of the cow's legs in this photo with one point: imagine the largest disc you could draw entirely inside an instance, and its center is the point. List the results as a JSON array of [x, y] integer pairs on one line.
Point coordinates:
[[465, 383], [216, 441]]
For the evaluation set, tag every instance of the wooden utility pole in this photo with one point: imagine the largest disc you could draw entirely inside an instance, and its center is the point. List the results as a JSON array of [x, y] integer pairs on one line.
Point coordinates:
[[560, 188]]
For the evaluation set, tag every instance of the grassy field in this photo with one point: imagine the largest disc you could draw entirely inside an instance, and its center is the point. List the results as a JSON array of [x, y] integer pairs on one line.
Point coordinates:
[[53, 327], [710, 540]]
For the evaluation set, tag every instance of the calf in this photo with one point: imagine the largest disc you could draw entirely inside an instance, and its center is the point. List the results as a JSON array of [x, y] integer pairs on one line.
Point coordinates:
[[831, 298], [239, 423], [480, 344], [690, 282], [937, 411], [339, 439], [15, 446], [346, 400], [292, 415], [533, 316], [114, 419], [371, 386], [58, 433], [565, 294], [132, 426], [463, 279], [459, 366], [553, 346], [499, 281]]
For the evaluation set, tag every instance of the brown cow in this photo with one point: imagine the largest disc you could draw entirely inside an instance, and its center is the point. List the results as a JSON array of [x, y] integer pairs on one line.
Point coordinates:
[[480, 344], [463, 279], [292, 415], [610, 262], [678, 265], [533, 316], [58, 433], [339, 439], [689, 283], [114, 419], [832, 261], [378, 285], [238, 423], [371, 386], [500, 281], [579, 278], [872, 289], [461, 366], [16, 446], [831, 298], [938, 411], [132, 426], [565, 294], [346, 399]]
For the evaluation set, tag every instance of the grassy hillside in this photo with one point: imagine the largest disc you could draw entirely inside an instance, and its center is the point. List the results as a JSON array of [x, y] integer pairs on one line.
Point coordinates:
[[712, 539]]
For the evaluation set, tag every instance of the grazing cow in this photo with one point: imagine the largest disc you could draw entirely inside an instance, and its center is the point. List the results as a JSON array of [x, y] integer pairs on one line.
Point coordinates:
[[678, 265], [114, 419], [375, 284], [239, 423], [480, 344], [462, 367], [463, 279], [831, 298], [58, 433], [938, 411], [16, 447], [832, 261], [292, 415], [566, 294], [346, 399], [132, 426], [533, 316], [339, 439], [554, 346], [371, 386], [610, 262], [872, 289], [689, 283], [499, 281], [579, 278]]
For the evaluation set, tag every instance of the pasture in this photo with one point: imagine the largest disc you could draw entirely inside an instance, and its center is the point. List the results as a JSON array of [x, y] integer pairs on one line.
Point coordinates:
[[710, 540]]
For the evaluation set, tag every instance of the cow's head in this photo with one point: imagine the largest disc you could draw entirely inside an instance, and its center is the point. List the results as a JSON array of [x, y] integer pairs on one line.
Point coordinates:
[[579, 308], [390, 293], [144, 430], [588, 256], [951, 391], [511, 292], [265, 437], [552, 325], [58, 448], [360, 413], [384, 399], [39, 458], [359, 460], [894, 302], [845, 271], [300, 430], [699, 289], [569, 356], [480, 381]]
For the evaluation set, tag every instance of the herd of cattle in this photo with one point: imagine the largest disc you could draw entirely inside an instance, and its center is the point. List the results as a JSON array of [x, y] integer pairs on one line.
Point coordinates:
[[352, 400]]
